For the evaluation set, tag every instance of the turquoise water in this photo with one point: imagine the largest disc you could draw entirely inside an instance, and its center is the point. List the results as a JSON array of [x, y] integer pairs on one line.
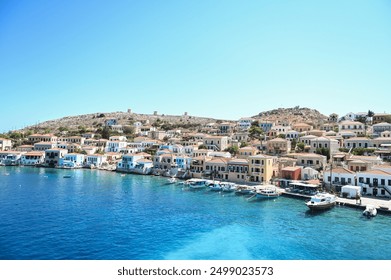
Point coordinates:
[[103, 215]]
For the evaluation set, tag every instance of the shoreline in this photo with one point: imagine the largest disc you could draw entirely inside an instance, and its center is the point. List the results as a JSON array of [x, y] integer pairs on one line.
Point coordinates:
[[380, 204]]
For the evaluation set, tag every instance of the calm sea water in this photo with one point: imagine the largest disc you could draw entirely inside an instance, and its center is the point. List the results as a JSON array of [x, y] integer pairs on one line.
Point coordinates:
[[103, 215]]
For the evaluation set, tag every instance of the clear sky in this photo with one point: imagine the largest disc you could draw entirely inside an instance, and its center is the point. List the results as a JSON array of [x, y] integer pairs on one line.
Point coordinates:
[[222, 59]]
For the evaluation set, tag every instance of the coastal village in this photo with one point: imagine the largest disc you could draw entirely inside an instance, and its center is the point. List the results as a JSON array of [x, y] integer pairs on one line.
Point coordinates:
[[296, 152]]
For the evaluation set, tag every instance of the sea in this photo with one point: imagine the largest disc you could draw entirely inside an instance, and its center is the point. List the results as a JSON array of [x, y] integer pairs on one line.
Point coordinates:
[[102, 215]]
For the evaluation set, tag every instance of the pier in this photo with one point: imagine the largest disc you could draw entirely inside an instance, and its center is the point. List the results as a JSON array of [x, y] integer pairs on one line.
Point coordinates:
[[383, 206]]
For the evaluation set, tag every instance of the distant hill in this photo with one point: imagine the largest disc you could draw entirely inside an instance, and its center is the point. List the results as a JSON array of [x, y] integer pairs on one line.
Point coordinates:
[[292, 115], [93, 121]]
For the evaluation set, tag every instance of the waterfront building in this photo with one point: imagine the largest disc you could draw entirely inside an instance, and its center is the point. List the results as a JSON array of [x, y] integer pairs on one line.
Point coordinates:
[[217, 168], [128, 162], [338, 177], [260, 168], [95, 161], [33, 158], [375, 182], [238, 170], [197, 166], [72, 161], [53, 156], [10, 157], [5, 144]]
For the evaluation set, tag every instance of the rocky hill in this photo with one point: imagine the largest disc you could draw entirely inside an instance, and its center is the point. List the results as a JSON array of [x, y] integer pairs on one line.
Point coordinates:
[[90, 122], [292, 115]]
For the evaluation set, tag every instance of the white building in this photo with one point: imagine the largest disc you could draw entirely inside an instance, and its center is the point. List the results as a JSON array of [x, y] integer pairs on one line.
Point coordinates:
[[355, 127], [95, 161], [375, 182], [115, 146], [33, 158], [5, 144], [72, 161], [245, 123]]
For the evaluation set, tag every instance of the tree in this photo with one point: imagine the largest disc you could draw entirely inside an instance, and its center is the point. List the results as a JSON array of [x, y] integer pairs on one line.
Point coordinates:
[[202, 146], [255, 131], [300, 146], [323, 152], [106, 132], [233, 150]]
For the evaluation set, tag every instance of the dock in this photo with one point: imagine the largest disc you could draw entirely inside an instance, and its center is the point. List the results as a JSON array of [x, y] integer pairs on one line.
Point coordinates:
[[382, 205]]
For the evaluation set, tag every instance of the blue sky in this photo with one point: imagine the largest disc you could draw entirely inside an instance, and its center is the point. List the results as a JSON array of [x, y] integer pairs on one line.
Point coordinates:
[[222, 59]]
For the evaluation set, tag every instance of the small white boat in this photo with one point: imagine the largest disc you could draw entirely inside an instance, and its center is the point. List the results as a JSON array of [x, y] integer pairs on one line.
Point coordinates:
[[321, 201], [172, 180], [267, 192], [228, 187], [197, 183], [370, 211], [215, 186], [243, 190]]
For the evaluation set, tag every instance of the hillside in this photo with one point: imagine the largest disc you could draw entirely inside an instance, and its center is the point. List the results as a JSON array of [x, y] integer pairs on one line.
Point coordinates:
[[292, 115], [91, 122]]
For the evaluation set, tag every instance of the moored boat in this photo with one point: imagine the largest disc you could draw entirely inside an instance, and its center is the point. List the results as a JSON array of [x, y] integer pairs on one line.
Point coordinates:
[[215, 186], [321, 201], [267, 192], [172, 180], [197, 183], [370, 211]]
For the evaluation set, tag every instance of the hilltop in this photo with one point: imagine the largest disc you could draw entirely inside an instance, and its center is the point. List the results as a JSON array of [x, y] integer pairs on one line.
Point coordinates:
[[91, 122], [292, 115]]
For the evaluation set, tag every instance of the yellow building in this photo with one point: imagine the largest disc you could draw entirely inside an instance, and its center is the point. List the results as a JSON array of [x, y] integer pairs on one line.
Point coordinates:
[[260, 168]]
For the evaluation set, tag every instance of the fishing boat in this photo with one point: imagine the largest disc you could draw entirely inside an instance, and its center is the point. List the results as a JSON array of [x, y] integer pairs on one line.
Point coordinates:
[[370, 211], [321, 201]]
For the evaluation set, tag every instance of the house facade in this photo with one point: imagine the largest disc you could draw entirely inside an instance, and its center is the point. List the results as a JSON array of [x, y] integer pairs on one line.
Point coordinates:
[[260, 168]]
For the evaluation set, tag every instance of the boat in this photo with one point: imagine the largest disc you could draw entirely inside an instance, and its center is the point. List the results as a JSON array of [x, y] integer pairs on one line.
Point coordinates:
[[197, 183], [370, 211], [172, 180], [243, 190], [321, 201], [267, 192], [67, 176], [215, 186], [228, 187]]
